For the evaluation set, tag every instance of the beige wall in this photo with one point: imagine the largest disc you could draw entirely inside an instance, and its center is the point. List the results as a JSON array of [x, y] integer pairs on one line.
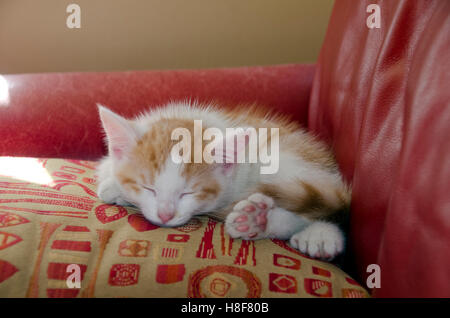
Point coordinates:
[[159, 34]]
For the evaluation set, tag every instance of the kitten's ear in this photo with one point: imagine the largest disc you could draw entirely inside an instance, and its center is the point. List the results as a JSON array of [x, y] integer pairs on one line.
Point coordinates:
[[119, 132], [231, 149]]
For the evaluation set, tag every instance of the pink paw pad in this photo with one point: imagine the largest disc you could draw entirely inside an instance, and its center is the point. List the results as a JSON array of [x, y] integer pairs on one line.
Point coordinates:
[[240, 219], [261, 218], [262, 206], [250, 217], [242, 228], [250, 208]]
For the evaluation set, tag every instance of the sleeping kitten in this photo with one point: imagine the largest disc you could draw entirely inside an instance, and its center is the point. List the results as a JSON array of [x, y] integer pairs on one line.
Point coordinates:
[[302, 202]]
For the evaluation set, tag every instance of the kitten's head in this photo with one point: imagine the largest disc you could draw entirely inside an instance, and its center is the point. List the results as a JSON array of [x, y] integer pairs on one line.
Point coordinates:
[[168, 193]]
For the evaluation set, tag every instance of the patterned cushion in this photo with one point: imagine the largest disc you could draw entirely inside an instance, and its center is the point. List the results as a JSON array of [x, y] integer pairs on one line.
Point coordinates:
[[50, 217]]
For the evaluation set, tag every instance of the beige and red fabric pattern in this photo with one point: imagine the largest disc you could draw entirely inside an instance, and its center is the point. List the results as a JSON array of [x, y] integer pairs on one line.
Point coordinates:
[[50, 218]]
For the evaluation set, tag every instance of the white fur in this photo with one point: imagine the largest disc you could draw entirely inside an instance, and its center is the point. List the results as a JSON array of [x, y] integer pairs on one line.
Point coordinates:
[[317, 239], [320, 240]]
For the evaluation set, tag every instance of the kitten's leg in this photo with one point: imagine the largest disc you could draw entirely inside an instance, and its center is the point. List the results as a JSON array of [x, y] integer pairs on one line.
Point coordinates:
[[258, 217], [108, 190], [319, 240]]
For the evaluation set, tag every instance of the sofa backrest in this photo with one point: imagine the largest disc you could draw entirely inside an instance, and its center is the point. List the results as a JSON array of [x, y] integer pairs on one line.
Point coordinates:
[[55, 114], [381, 97]]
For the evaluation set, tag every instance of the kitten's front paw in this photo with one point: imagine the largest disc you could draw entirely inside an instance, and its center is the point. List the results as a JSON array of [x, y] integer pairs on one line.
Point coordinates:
[[249, 217], [319, 240], [108, 192]]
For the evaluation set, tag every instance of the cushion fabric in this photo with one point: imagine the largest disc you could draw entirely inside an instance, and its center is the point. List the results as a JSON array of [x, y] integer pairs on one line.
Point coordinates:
[[50, 218]]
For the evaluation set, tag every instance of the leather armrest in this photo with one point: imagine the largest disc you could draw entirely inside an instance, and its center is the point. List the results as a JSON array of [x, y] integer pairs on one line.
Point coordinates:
[[55, 114]]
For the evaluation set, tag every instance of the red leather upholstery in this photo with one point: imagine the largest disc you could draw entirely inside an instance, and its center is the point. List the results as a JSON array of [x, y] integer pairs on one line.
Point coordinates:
[[55, 115], [382, 98], [379, 96]]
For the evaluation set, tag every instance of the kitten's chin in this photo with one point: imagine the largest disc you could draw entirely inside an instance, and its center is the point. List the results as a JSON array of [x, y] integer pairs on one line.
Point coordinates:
[[176, 223], [171, 223]]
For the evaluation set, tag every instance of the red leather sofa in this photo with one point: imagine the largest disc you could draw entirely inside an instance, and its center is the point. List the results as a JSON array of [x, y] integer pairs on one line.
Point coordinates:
[[380, 97]]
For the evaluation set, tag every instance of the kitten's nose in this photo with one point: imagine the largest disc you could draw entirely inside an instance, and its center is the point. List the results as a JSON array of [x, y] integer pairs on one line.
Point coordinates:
[[166, 212], [166, 216]]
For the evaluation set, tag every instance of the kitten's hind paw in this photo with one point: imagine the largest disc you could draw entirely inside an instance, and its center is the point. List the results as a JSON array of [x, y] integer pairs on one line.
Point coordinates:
[[249, 217], [319, 240]]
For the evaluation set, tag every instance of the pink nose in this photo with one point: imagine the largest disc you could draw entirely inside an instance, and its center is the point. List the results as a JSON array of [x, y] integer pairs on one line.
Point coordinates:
[[166, 216]]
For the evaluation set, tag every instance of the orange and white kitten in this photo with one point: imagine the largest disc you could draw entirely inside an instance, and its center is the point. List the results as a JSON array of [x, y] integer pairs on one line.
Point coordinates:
[[302, 202]]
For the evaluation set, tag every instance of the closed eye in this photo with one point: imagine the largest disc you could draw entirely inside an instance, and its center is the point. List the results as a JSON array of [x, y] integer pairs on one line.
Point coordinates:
[[185, 194], [150, 189]]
